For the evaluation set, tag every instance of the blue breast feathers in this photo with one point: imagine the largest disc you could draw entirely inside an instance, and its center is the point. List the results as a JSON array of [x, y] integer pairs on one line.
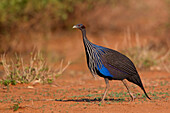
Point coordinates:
[[103, 70]]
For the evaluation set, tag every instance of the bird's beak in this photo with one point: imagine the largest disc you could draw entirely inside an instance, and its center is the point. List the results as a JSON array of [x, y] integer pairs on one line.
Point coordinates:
[[74, 26]]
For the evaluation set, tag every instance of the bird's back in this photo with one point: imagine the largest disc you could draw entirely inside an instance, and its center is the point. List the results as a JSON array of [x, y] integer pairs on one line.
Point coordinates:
[[120, 66]]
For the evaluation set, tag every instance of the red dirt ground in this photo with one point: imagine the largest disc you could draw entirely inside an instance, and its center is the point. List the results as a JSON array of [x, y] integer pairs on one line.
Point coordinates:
[[76, 91]]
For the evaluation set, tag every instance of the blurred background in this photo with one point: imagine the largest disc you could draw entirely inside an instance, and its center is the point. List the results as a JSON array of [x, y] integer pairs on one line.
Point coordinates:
[[139, 29]]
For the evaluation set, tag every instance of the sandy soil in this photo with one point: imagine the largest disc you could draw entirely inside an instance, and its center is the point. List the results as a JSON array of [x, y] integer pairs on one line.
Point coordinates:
[[80, 93]]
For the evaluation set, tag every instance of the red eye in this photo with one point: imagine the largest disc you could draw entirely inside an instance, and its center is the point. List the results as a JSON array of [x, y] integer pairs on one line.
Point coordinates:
[[78, 25]]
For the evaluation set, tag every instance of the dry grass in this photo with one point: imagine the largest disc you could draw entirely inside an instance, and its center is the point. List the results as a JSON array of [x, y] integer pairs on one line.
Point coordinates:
[[153, 56], [33, 70]]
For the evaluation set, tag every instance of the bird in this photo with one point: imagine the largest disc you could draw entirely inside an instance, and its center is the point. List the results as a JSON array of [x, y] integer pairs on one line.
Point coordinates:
[[110, 64]]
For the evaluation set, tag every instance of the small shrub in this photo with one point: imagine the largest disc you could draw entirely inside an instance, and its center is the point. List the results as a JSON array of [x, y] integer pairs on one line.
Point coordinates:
[[6, 82], [35, 69], [13, 82]]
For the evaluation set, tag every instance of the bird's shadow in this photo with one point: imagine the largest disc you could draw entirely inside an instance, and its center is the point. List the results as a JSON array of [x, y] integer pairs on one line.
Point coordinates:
[[89, 100]]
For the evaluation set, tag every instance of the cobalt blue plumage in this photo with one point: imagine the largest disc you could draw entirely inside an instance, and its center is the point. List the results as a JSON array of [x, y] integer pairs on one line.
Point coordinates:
[[110, 64]]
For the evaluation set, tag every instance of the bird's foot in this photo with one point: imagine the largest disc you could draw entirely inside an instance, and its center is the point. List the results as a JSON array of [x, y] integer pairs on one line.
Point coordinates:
[[132, 97], [101, 101]]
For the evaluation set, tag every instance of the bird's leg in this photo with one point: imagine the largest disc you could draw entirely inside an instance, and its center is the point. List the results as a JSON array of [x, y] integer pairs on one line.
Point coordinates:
[[107, 87], [131, 95]]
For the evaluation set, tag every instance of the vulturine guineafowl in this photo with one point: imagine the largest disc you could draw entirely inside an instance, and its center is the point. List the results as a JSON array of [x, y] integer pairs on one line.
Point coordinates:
[[109, 64]]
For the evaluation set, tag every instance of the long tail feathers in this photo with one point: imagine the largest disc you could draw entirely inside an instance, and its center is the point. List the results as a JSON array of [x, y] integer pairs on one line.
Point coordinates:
[[145, 93], [136, 80]]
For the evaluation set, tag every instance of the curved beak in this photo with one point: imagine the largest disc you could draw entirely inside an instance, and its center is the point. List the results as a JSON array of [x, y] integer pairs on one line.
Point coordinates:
[[74, 26]]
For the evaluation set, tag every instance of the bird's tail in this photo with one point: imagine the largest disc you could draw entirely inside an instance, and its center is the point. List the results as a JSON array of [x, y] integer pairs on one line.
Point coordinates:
[[136, 80]]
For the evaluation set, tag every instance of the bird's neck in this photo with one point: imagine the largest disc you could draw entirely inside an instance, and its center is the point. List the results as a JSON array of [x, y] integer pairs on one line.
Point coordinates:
[[83, 33], [85, 40]]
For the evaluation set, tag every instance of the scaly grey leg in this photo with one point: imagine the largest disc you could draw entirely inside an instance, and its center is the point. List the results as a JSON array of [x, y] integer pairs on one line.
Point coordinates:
[[131, 95], [107, 87]]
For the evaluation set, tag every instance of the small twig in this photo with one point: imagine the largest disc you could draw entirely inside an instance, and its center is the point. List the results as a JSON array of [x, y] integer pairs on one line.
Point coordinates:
[[137, 40], [63, 69], [124, 39], [165, 67], [6, 67], [166, 55], [129, 36]]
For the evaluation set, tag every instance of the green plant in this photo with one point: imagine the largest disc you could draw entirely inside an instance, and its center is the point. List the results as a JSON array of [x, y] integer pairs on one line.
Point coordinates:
[[15, 107], [49, 80], [163, 83], [6, 82]]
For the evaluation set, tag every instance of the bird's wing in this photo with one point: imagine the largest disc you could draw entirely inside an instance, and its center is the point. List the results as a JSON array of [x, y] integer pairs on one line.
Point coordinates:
[[119, 62]]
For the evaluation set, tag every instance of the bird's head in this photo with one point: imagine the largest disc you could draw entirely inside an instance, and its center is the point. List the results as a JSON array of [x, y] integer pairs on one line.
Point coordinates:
[[79, 26]]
